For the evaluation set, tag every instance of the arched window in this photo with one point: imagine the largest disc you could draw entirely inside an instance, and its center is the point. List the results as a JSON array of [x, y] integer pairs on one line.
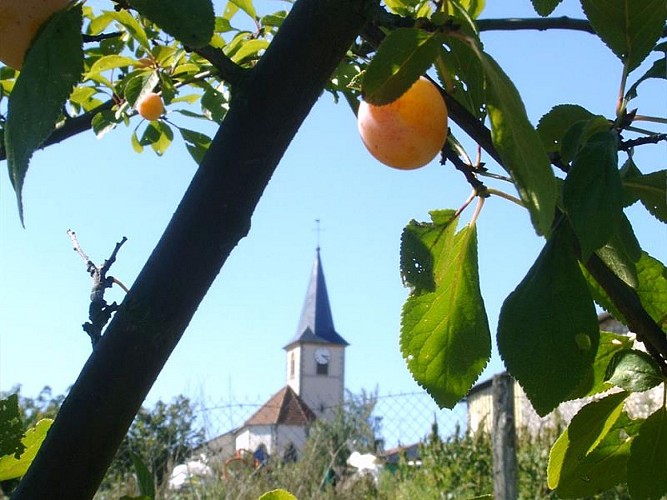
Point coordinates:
[[291, 366]]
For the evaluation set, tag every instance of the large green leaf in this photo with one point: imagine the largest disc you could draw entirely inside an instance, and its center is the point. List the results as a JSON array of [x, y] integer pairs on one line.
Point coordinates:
[[548, 331], [11, 428], [592, 193], [53, 65], [445, 335], [520, 146], [12, 467], [652, 288], [591, 454], [404, 55], [545, 7], [647, 466], [553, 126], [634, 371], [630, 28], [651, 190], [192, 24]]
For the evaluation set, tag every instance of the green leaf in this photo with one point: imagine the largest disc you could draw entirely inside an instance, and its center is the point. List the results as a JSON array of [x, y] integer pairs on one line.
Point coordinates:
[[520, 147], [543, 324], [403, 56], [445, 335], [545, 7], [647, 466], [591, 454], [651, 190], [621, 252], [158, 135], [196, 143], [634, 371], [592, 192], [652, 288], [580, 132], [11, 428], [192, 24], [104, 122], [144, 477], [402, 7], [277, 495], [249, 49], [658, 70], [246, 6], [553, 126], [594, 381], [52, 67], [630, 28], [460, 72], [106, 63], [12, 467], [133, 27]]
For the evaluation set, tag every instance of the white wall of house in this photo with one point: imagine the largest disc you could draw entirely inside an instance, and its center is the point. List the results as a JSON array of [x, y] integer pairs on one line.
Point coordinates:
[[276, 438]]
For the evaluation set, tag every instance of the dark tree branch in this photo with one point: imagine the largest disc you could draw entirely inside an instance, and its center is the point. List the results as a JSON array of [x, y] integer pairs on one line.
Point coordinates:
[[627, 302], [539, 23], [640, 141], [99, 311], [227, 69], [71, 127], [100, 37], [209, 222]]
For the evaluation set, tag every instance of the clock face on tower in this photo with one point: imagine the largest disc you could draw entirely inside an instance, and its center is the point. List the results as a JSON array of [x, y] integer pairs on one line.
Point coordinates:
[[322, 356]]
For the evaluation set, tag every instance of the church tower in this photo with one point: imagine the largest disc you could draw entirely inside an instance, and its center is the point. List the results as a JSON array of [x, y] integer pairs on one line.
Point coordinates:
[[316, 354]]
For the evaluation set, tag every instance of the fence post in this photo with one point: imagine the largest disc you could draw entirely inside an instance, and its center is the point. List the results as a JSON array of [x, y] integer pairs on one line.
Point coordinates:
[[504, 438]]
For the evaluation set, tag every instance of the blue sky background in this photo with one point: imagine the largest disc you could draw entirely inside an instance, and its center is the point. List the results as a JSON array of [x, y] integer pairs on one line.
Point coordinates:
[[233, 347]]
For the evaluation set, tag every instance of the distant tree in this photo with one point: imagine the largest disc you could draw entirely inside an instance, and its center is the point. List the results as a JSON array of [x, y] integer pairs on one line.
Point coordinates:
[[162, 437]]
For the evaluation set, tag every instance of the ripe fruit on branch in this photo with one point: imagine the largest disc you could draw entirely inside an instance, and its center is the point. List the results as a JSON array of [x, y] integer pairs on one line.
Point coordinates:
[[19, 22], [150, 106], [408, 132]]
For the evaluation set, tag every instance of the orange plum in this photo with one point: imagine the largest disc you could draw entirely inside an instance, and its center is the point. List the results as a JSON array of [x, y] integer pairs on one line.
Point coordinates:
[[409, 132]]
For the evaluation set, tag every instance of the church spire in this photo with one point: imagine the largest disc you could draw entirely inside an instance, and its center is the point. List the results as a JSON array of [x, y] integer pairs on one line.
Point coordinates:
[[316, 323]]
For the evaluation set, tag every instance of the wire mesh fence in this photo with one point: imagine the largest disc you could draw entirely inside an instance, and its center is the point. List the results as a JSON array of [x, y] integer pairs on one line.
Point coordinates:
[[393, 421]]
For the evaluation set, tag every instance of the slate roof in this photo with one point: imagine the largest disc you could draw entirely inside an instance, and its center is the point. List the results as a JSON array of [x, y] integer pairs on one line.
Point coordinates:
[[316, 323], [285, 407]]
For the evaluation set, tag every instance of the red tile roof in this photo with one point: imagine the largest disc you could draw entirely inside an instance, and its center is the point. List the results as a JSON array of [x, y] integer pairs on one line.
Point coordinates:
[[285, 407]]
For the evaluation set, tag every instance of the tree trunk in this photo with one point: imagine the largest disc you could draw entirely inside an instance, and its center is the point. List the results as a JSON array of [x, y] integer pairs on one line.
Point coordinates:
[[213, 216]]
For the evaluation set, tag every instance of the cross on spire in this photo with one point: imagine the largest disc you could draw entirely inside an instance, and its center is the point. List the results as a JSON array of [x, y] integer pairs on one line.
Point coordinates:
[[318, 229]]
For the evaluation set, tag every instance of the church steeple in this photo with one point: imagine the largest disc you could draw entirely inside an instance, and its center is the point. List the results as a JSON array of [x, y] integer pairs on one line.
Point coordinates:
[[316, 323]]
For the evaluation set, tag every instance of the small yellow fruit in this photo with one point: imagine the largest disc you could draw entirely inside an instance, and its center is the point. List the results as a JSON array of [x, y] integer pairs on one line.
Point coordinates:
[[150, 106], [408, 132], [19, 22]]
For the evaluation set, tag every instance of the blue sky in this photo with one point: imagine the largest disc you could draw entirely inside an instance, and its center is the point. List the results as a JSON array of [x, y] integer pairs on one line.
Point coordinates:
[[233, 347]]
